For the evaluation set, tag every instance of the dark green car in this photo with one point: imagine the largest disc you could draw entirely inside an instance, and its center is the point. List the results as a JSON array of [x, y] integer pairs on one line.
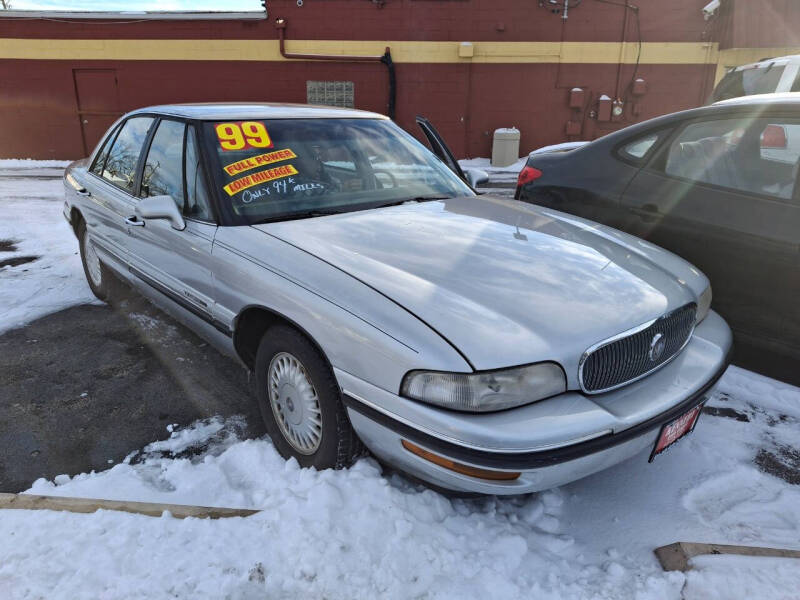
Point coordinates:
[[716, 185]]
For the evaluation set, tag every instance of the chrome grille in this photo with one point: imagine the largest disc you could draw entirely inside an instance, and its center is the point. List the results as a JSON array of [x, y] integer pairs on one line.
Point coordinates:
[[633, 355]]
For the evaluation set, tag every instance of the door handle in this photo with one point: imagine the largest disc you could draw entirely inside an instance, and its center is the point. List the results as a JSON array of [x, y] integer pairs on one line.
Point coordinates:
[[132, 220], [83, 192]]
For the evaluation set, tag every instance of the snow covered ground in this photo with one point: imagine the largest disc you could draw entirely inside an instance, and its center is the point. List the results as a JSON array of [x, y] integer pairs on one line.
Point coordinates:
[[507, 174], [34, 234], [363, 534]]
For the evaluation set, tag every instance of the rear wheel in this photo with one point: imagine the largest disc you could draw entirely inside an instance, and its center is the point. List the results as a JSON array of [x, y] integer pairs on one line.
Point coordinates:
[[300, 402], [97, 275]]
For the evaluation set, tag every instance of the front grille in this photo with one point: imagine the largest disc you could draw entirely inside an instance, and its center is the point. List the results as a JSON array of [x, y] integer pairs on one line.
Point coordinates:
[[621, 360]]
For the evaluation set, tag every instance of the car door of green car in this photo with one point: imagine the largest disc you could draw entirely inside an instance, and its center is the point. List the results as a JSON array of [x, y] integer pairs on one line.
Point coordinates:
[[722, 194]]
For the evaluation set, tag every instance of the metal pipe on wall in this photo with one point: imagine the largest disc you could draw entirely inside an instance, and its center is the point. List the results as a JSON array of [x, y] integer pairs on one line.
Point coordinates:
[[385, 58]]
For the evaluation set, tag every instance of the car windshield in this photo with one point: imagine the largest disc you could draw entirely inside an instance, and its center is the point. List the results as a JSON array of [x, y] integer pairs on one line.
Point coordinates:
[[746, 82], [292, 168]]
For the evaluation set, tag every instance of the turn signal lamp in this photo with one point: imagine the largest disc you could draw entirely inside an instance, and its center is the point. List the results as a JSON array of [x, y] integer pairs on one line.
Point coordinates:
[[458, 467]]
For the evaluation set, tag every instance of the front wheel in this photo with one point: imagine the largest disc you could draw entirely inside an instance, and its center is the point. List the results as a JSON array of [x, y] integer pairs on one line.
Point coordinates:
[[300, 402]]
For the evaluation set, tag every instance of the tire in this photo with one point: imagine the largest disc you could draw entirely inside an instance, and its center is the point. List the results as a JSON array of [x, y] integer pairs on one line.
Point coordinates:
[[300, 402], [97, 275]]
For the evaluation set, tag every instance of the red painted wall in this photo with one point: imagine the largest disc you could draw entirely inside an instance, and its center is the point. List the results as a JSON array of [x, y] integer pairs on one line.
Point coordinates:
[[39, 112], [759, 23]]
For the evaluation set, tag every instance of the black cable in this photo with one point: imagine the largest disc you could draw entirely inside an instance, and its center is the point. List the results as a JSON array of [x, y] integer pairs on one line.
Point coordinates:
[[638, 53], [635, 9]]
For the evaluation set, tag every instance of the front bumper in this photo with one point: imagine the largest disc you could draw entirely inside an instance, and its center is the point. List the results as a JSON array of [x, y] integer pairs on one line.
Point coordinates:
[[551, 442]]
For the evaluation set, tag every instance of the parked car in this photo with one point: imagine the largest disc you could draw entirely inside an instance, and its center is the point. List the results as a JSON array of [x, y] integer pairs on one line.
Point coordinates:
[[717, 186], [479, 344], [767, 76]]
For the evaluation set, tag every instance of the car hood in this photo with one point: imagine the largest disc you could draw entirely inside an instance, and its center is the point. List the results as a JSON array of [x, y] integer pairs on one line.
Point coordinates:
[[505, 282]]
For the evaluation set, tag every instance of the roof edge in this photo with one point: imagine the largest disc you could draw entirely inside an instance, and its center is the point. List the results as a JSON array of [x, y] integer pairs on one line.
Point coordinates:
[[133, 15]]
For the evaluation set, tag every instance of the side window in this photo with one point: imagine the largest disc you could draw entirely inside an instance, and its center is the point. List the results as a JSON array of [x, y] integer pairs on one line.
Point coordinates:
[[100, 158], [163, 169], [638, 148], [763, 80], [749, 155], [197, 200], [120, 166], [796, 84]]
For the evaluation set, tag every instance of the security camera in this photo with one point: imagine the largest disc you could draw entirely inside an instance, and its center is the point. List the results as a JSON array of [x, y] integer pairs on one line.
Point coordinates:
[[710, 8]]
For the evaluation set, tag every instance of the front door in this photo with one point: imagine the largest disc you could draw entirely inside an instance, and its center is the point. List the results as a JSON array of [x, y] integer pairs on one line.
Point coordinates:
[[175, 262], [439, 147], [97, 98], [722, 195]]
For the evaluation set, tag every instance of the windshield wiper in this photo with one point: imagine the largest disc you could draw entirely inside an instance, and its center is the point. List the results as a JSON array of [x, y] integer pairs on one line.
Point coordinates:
[[297, 215]]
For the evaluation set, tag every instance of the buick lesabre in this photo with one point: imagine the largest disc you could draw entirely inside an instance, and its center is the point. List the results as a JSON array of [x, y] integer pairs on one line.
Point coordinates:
[[479, 344]]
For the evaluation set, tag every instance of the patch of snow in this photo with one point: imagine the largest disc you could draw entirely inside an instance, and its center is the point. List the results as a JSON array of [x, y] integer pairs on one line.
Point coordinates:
[[563, 147], [496, 174], [30, 217], [723, 577], [29, 163]]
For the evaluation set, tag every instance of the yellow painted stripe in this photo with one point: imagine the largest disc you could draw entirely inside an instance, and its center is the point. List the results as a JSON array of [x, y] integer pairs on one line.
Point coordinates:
[[402, 51]]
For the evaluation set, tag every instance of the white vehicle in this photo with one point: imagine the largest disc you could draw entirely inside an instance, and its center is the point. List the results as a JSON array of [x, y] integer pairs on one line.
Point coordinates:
[[766, 76]]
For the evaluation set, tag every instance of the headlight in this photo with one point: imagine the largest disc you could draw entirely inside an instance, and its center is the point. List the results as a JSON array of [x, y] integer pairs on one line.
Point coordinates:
[[703, 304], [487, 390]]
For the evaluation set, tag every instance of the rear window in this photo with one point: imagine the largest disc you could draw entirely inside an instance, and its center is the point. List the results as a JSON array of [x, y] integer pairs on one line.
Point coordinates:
[[638, 148], [746, 82], [283, 168]]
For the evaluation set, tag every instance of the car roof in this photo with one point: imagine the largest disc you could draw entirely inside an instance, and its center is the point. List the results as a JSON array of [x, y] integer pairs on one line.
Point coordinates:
[[780, 98], [781, 60], [747, 104], [256, 110]]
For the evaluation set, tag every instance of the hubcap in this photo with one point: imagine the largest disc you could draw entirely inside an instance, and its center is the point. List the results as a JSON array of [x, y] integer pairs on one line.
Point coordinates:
[[92, 261], [294, 403]]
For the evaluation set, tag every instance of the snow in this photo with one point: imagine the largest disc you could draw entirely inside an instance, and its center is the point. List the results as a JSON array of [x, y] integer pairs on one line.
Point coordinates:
[[30, 217], [364, 533], [563, 147], [28, 163], [496, 174]]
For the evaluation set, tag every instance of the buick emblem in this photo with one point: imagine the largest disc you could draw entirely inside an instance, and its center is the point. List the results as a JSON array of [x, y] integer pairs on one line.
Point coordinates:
[[657, 345]]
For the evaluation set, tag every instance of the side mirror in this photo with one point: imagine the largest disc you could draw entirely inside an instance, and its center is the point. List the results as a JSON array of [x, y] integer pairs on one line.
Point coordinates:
[[161, 207], [475, 177]]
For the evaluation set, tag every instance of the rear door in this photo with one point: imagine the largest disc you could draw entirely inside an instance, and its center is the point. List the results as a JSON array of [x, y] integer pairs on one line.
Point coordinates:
[[110, 198], [721, 195], [176, 263]]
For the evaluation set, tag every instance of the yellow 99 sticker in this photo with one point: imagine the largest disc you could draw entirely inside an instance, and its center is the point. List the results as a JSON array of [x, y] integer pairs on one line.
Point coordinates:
[[242, 135]]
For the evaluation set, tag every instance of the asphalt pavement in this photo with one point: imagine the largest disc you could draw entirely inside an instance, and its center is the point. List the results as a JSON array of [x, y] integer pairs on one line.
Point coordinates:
[[84, 387]]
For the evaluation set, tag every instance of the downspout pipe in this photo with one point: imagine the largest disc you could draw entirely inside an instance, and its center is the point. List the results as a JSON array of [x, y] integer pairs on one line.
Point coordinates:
[[385, 58]]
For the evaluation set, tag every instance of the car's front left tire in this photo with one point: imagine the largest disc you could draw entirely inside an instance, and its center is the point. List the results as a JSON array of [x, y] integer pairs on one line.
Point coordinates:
[[97, 274], [300, 402]]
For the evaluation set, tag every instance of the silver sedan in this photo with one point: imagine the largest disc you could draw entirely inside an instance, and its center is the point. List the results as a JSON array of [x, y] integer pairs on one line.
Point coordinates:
[[479, 344]]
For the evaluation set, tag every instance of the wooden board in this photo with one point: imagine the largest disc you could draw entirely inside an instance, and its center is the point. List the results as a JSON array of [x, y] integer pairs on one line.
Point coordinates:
[[675, 557], [90, 505]]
